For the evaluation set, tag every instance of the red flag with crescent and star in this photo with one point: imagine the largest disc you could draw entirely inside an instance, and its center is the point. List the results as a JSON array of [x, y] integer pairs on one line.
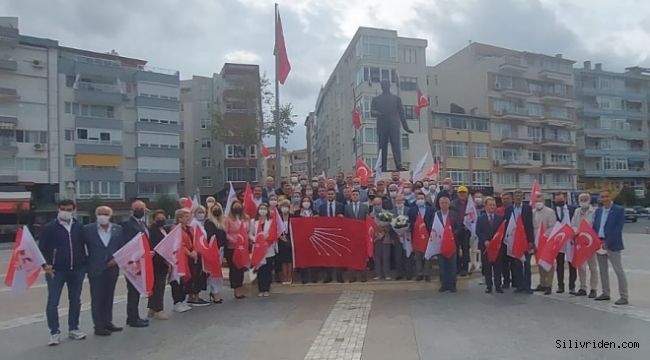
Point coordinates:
[[420, 235], [494, 247], [587, 243], [363, 172], [555, 243]]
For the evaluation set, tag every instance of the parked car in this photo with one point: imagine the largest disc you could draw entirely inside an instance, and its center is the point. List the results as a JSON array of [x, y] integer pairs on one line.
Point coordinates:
[[630, 215], [641, 211]]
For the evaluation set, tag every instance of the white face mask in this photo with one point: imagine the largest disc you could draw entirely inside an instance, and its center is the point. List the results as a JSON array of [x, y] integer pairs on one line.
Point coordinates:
[[273, 203], [585, 205], [407, 191], [393, 194], [263, 212], [103, 219], [200, 216], [478, 201], [306, 205], [309, 192], [539, 206], [294, 180], [433, 187], [285, 209], [65, 215]]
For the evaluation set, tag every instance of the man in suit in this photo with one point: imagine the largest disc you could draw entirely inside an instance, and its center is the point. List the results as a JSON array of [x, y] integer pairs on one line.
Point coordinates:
[[130, 228], [102, 239], [521, 275], [462, 234], [447, 190], [422, 266], [564, 213], [269, 188], [486, 225], [363, 192], [447, 265], [356, 210], [403, 265], [332, 208], [608, 224]]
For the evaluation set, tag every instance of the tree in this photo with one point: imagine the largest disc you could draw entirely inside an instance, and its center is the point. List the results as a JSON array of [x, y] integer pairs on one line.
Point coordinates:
[[165, 202], [626, 197], [268, 112]]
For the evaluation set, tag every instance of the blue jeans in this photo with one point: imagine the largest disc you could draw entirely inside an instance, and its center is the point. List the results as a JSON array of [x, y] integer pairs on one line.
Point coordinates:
[[447, 270], [74, 280]]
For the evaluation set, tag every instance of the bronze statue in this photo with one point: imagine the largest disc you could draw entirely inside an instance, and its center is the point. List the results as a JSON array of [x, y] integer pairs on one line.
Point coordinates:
[[389, 112]]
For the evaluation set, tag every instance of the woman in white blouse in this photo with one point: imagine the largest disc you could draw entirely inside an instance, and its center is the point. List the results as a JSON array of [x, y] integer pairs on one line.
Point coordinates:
[[262, 224]]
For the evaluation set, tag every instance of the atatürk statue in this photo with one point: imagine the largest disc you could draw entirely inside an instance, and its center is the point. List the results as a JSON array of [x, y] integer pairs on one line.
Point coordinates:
[[388, 110]]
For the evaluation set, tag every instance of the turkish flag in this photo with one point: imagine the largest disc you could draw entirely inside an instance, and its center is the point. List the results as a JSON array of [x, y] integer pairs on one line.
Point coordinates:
[[540, 241], [555, 243], [282, 60], [135, 260], [420, 235], [494, 247], [534, 191], [260, 248], [275, 230], [240, 256], [448, 245], [250, 208], [435, 169], [363, 172], [371, 229], [26, 261], [329, 242], [520, 243], [209, 251], [587, 243], [265, 151], [422, 102], [356, 118]]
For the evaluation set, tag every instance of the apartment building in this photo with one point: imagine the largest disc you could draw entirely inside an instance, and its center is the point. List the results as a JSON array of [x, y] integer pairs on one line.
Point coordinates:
[[209, 161], [299, 162], [373, 55], [529, 99], [613, 130], [461, 144]]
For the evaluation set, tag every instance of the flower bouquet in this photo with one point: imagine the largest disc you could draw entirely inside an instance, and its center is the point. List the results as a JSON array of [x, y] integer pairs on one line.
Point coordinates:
[[384, 218], [400, 224]]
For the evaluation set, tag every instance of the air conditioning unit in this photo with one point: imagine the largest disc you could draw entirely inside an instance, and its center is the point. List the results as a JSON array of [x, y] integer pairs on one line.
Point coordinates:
[[37, 64], [39, 147]]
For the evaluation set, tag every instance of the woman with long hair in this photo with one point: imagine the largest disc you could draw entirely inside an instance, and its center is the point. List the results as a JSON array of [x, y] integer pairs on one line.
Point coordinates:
[[233, 224], [259, 231], [215, 227], [285, 256], [182, 217], [157, 232], [197, 281], [306, 210]]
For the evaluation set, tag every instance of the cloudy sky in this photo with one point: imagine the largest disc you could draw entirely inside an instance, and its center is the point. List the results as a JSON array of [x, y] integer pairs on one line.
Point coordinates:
[[198, 36]]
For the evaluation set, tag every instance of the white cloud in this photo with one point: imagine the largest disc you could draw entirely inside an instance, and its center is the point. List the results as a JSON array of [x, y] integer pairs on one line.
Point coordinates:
[[242, 56]]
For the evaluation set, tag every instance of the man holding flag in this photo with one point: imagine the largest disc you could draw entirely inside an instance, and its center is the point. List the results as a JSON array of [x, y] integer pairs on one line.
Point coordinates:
[[490, 227], [462, 233], [586, 213], [544, 222], [65, 264], [521, 275]]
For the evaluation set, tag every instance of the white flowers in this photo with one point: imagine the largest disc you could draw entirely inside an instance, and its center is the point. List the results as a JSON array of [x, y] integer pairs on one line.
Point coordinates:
[[384, 218], [400, 224]]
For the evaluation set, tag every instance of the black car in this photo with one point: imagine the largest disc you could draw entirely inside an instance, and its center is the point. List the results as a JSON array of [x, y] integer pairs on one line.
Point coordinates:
[[630, 215], [640, 210]]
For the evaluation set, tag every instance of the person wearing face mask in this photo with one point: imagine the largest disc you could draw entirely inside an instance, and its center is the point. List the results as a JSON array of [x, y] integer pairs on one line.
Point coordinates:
[[262, 225], [393, 191], [214, 227], [478, 203], [521, 274], [273, 201], [295, 201], [65, 265], [303, 181], [332, 208], [157, 232], [382, 245], [403, 265], [447, 190], [363, 192], [199, 216], [233, 226], [131, 227], [430, 192], [285, 256], [309, 191], [356, 210], [209, 203], [306, 210], [423, 267], [564, 213], [102, 239], [487, 225], [586, 212], [543, 216]]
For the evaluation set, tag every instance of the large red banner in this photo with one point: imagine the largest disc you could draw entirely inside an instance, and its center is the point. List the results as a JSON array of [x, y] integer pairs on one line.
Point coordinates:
[[329, 242]]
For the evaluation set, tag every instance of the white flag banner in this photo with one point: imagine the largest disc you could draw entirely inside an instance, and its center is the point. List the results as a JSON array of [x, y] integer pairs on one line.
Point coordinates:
[[471, 215], [435, 239], [232, 196], [168, 248], [25, 263], [377, 168], [418, 172]]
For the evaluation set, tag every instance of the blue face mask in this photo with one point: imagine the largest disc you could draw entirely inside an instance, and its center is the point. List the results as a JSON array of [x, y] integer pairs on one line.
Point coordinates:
[[377, 209]]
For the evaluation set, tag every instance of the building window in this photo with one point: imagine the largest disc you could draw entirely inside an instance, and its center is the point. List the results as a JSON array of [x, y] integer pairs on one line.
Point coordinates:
[[241, 174], [69, 134], [409, 112], [70, 161], [206, 181], [436, 149], [205, 143], [235, 106], [100, 188], [366, 104], [458, 176], [370, 135], [535, 133], [104, 111], [252, 151], [408, 83], [235, 151], [559, 112], [534, 156], [480, 150], [406, 144], [103, 136], [205, 124], [82, 134], [31, 137], [562, 158], [481, 178], [507, 178], [206, 162], [456, 149]]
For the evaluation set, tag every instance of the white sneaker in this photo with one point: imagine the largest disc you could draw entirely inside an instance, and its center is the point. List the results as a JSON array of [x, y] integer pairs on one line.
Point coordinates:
[[388, 278], [76, 335], [260, 294], [181, 307], [376, 278], [55, 339], [266, 294]]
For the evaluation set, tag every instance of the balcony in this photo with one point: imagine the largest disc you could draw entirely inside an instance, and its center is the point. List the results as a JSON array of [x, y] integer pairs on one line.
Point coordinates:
[[633, 153], [557, 141], [98, 147], [8, 95], [559, 165], [626, 94], [8, 122], [149, 150], [553, 97], [159, 176], [8, 65], [8, 147], [516, 115], [513, 64], [8, 37], [98, 93], [98, 67], [513, 164], [557, 121], [98, 122], [556, 74], [158, 75], [106, 174], [144, 101], [641, 173], [613, 133], [157, 127], [594, 110], [515, 140]]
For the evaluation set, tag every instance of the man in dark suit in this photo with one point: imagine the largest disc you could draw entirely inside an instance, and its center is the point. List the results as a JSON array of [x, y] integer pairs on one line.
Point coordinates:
[[486, 226], [102, 239], [447, 265], [564, 213], [356, 210], [462, 234], [521, 275], [403, 265], [134, 225], [608, 224], [422, 266], [332, 208]]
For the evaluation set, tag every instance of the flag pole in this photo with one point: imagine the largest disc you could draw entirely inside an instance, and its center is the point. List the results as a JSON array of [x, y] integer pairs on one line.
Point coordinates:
[[278, 155]]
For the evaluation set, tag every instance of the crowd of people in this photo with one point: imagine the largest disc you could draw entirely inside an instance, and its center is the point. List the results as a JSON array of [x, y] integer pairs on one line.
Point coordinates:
[[73, 250]]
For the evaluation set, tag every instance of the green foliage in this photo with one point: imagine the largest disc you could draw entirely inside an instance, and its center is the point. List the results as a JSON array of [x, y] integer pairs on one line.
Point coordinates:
[[286, 123], [626, 197]]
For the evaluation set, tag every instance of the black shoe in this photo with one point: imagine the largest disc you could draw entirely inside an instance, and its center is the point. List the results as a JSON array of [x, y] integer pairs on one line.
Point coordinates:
[[304, 282], [427, 278], [102, 332], [419, 278], [488, 291], [548, 291], [581, 293], [603, 297], [506, 286], [364, 279], [113, 328], [499, 291], [401, 168], [573, 292], [539, 288], [139, 323], [621, 301], [352, 280], [340, 280], [592, 294], [519, 291], [560, 290], [463, 273], [327, 281], [442, 289]]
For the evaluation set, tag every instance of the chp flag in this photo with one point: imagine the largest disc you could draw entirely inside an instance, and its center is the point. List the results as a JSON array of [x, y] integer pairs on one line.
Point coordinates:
[[26, 262], [170, 249], [136, 261]]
